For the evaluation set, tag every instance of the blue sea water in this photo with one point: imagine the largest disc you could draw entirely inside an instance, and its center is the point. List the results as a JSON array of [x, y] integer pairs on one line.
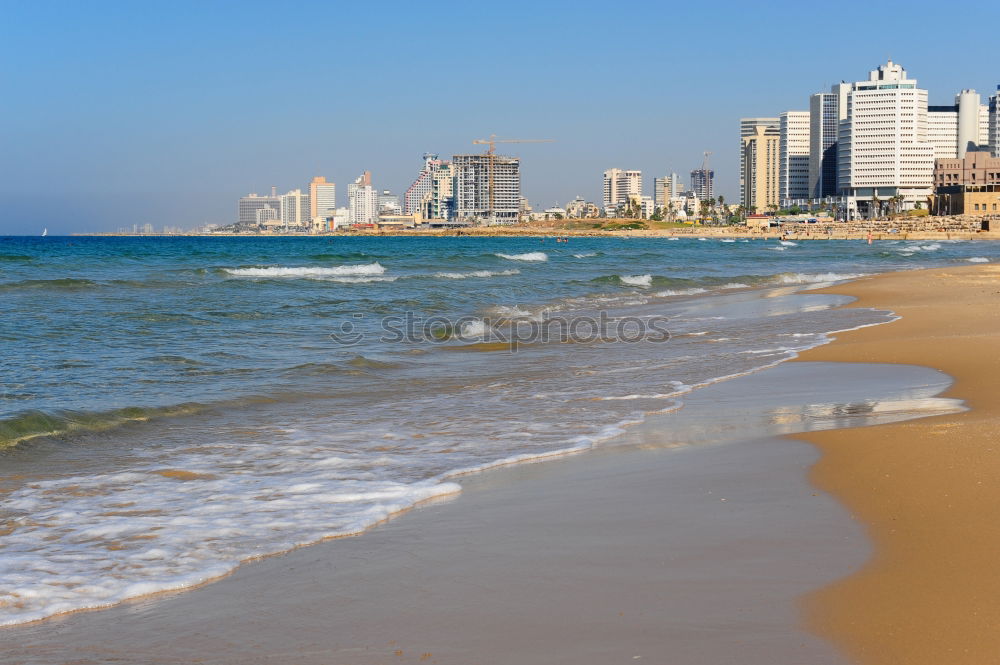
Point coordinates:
[[170, 407]]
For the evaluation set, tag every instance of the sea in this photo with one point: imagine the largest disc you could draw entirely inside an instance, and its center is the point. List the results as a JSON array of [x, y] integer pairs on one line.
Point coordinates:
[[171, 407]]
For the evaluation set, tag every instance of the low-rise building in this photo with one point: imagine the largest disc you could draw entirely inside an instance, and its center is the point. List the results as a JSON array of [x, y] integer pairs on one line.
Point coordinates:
[[966, 186]]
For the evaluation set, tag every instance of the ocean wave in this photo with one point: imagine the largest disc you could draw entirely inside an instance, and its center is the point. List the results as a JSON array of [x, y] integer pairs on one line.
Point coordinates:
[[637, 280], [363, 269], [978, 259], [817, 278], [680, 292], [584, 255], [788, 243], [63, 284], [527, 256], [35, 424], [477, 273]]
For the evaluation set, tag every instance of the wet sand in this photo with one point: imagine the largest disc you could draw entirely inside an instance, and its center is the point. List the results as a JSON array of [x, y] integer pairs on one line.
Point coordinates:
[[928, 490], [690, 541]]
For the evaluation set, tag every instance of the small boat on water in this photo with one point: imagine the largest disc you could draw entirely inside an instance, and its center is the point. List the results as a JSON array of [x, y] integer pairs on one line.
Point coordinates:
[[45, 232]]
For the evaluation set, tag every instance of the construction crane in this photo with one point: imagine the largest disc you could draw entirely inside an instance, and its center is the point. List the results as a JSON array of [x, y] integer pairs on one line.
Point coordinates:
[[491, 152]]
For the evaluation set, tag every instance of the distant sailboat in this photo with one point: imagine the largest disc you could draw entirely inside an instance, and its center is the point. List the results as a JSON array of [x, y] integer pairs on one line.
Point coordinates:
[[45, 232]]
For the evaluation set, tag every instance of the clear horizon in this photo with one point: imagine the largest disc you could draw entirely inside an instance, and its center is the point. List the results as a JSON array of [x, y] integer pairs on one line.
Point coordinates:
[[122, 114]]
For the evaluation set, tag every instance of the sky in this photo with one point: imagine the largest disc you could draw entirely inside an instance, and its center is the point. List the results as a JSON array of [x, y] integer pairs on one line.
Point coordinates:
[[121, 113]]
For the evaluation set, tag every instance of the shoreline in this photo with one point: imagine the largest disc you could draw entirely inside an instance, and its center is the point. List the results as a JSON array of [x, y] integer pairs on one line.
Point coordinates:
[[807, 233], [680, 539], [925, 489]]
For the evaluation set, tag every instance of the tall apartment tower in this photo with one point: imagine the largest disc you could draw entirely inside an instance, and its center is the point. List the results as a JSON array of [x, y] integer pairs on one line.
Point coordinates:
[[619, 185], [322, 198], [421, 187], [761, 158], [954, 130], [884, 149], [748, 128], [362, 200], [993, 131], [793, 163], [488, 188], [826, 110], [295, 208], [703, 184], [663, 190]]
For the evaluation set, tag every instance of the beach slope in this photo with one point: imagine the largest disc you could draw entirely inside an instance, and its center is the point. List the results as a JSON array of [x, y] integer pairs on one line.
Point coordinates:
[[927, 490]]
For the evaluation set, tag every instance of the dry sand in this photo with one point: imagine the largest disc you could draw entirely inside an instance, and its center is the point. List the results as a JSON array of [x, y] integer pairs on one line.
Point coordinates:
[[928, 490]]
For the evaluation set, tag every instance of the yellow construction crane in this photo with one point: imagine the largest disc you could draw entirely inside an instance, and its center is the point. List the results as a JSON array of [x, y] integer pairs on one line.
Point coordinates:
[[492, 143]]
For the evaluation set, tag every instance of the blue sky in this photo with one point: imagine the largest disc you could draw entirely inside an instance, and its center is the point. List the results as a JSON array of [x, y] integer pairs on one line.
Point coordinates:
[[116, 113]]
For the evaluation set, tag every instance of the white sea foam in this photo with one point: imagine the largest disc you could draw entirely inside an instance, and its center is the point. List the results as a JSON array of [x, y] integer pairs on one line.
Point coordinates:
[[817, 278], [735, 285], [679, 292], [788, 243], [585, 255], [309, 271], [527, 256], [727, 240], [478, 273], [637, 280], [779, 248], [978, 259]]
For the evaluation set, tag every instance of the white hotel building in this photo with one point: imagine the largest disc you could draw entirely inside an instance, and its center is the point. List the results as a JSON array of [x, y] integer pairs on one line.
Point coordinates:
[[884, 150]]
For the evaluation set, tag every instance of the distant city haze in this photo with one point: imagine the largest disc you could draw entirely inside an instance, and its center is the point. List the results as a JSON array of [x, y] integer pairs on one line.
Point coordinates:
[[118, 114]]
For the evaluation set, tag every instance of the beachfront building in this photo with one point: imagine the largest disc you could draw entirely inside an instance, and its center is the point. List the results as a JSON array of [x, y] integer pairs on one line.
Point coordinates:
[[703, 184], [619, 185], [322, 198], [883, 149], [993, 123], [441, 200], [793, 162], [388, 203], [362, 200], [416, 194], [826, 110], [970, 185], [487, 188], [955, 129], [253, 209], [295, 210], [748, 127], [761, 169]]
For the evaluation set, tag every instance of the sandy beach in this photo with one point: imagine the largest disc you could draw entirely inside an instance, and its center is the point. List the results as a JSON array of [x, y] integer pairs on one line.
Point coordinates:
[[696, 538], [927, 489], [688, 541]]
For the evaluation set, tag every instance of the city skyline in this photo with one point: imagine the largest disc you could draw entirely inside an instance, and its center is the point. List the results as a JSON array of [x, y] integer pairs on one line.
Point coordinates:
[[164, 116]]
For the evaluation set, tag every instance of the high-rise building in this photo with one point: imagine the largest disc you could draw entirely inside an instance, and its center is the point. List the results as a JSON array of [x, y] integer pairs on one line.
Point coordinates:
[[703, 184], [760, 168], [619, 185], [663, 189], [748, 128], [322, 198], [793, 163], [956, 129], [295, 208], [416, 194], [823, 121], [441, 202], [362, 200], [488, 188], [883, 149], [993, 131], [251, 206], [388, 203]]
